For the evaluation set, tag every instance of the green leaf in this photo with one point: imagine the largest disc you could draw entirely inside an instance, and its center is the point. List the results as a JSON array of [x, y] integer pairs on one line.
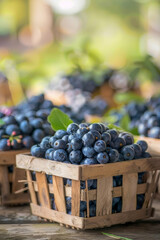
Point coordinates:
[[1, 122], [115, 236], [127, 97], [124, 122], [59, 120], [112, 126]]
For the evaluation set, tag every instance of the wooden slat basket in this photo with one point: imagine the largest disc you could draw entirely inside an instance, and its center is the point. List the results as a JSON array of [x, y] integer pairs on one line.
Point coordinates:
[[49, 197], [154, 149], [9, 179]]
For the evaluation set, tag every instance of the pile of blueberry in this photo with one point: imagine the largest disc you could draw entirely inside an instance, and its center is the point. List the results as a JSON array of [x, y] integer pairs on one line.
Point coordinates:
[[149, 124], [87, 144], [27, 125]]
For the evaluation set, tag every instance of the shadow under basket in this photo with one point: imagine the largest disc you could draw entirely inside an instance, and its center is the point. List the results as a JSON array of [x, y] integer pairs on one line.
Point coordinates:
[[57, 191], [11, 190]]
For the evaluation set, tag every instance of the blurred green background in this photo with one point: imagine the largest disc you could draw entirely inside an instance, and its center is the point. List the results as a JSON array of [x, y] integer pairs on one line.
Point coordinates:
[[40, 38]]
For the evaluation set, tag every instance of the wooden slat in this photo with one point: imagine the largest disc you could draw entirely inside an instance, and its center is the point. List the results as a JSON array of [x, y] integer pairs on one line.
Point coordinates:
[[56, 216], [129, 198], [9, 157], [31, 187], [151, 188], [11, 199], [92, 194], [75, 198], [59, 197], [18, 174], [4, 182], [64, 170], [43, 190], [117, 218], [104, 196], [119, 168], [84, 172]]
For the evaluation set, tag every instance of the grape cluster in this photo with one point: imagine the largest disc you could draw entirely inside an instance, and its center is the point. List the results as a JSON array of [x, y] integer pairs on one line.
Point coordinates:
[[87, 144]]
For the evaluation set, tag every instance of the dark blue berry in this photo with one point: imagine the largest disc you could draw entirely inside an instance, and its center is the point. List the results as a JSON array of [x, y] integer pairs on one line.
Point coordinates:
[[76, 143], [100, 146], [88, 152], [102, 158], [72, 128], [75, 157], [60, 144], [88, 139], [60, 155], [128, 153], [113, 155]]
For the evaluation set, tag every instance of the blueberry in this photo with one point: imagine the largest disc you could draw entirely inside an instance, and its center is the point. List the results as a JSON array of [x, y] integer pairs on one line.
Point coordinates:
[[140, 201], [69, 182], [114, 182], [115, 200], [141, 177], [49, 179], [83, 184], [152, 122], [76, 143], [38, 135], [69, 147], [106, 137], [70, 137], [92, 210], [120, 158], [9, 120], [83, 206], [36, 123], [100, 146], [75, 157], [88, 152], [128, 153], [60, 134], [28, 142], [102, 158], [113, 133], [37, 151], [60, 155], [94, 185], [146, 155], [154, 132], [88, 139], [81, 132], [13, 130], [143, 145], [119, 143], [48, 155], [128, 139], [2, 132], [60, 144], [103, 127], [142, 129], [47, 129], [52, 141], [96, 134], [83, 125], [88, 161], [26, 127], [118, 180], [119, 206], [65, 138], [68, 203], [20, 118], [72, 128], [45, 144], [96, 126], [113, 155], [137, 149], [4, 146]]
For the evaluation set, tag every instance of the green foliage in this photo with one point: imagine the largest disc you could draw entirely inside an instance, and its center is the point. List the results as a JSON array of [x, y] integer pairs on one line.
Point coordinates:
[[59, 120], [125, 98], [1, 122], [115, 236]]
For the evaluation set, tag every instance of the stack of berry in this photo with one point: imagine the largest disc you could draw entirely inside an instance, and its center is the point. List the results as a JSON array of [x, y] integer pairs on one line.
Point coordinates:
[[87, 144], [27, 125]]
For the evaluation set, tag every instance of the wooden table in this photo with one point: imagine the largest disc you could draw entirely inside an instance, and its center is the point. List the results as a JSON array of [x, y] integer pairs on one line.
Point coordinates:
[[17, 223]]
